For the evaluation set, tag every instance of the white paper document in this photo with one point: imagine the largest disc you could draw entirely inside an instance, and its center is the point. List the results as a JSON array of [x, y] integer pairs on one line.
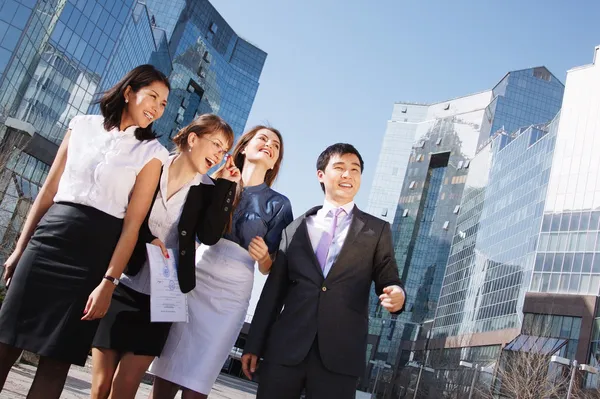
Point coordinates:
[[167, 302]]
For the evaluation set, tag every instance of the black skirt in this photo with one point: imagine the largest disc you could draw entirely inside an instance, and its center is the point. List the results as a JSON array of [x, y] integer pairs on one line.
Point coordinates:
[[126, 327], [63, 263]]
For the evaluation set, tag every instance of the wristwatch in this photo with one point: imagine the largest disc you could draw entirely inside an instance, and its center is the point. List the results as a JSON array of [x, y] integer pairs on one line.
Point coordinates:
[[112, 279]]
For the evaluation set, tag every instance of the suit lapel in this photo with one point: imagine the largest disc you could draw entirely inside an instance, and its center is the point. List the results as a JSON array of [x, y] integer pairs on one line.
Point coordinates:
[[356, 226], [307, 245]]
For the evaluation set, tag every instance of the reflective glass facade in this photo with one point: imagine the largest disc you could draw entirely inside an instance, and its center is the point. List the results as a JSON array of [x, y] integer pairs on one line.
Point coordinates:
[[214, 70], [522, 98], [489, 267], [139, 43], [166, 13], [427, 199]]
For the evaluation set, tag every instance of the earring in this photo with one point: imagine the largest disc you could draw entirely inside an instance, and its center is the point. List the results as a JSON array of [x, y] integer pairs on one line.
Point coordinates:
[[190, 149], [126, 101]]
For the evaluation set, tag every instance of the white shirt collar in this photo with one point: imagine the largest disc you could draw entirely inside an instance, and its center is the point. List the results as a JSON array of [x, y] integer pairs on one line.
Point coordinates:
[[130, 131], [327, 206]]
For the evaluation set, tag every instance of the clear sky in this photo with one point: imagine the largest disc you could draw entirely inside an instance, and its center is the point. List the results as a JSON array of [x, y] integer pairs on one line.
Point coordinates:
[[336, 67]]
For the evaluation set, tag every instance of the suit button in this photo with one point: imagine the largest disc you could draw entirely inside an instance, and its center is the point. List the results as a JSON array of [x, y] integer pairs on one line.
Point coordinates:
[[182, 253], [183, 233], [324, 288], [228, 200], [226, 209]]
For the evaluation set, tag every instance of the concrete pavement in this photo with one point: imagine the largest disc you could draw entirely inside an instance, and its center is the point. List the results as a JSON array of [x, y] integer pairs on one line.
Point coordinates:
[[79, 383]]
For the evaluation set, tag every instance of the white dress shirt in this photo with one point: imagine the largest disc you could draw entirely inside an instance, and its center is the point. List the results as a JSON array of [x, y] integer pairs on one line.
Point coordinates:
[[163, 223], [321, 222], [102, 165]]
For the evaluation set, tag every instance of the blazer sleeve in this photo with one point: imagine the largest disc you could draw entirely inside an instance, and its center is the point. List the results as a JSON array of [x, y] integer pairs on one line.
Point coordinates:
[[385, 269], [270, 302], [216, 213]]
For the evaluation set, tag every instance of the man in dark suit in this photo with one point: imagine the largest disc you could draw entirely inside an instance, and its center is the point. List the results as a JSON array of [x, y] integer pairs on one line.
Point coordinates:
[[311, 323]]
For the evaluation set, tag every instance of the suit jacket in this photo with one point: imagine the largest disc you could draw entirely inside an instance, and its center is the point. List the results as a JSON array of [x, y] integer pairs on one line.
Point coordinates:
[[205, 214], [298, 303]]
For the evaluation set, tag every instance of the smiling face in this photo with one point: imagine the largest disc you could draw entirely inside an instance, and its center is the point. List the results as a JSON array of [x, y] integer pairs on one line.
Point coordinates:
[[341, 178], [263, 148], [147, 104], [207, 150]]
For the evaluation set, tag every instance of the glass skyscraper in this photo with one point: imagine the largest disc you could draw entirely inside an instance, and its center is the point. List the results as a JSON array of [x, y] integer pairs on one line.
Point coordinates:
[[489, 267], [524, 265], [214, 70], [56, 56], [426, 156]]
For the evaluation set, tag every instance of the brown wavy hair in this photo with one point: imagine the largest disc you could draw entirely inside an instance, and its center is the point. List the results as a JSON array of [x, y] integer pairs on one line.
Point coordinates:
[[239, 158], [200, 126], [113, 102]]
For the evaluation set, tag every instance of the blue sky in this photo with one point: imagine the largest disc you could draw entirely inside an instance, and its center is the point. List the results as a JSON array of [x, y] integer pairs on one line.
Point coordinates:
[[336, 67]]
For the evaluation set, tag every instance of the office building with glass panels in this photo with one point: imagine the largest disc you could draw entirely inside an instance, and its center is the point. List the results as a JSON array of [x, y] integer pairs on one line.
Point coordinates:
[[524, 266], [426, 157], [214, 70]]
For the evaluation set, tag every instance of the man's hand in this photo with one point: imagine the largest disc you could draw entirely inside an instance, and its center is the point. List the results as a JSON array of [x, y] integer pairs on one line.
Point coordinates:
[[249, 362], [393, 298]]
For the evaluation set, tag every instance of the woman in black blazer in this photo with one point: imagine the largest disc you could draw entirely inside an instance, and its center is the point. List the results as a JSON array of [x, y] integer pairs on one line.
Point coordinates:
[[188, 205]]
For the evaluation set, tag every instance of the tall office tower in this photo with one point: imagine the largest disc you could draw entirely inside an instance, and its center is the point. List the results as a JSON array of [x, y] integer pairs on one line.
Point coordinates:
[[426, 156], [214, 70], [524, 267]]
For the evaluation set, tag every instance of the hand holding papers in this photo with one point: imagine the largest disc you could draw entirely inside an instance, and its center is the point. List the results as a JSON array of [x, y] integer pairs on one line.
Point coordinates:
[[167, 302]]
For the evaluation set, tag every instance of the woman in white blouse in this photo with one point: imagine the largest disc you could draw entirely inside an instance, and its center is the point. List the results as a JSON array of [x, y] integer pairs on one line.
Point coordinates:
[[188, 205], [81, 231]]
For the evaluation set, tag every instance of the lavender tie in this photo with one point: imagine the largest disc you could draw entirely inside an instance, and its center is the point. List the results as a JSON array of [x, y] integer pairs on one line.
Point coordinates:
[[327, 238]]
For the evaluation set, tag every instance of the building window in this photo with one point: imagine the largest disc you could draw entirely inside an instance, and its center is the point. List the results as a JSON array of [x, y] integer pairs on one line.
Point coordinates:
[[404, 110], [439, 141], [446, 224], [384, 212], [202, 72], [542, 73], [405, 213], [447, 107], [420, 157], [467, 163], [412, 184], [214, 27], [460, 165], [206, 57], [419, 144], [456, 209]]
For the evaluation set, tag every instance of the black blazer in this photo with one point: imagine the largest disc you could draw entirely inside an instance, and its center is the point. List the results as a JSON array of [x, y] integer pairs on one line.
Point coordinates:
[[205, 214], [334, 309]]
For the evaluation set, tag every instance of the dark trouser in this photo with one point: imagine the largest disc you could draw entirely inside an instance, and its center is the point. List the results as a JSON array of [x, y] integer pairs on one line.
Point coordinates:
[[287, 382]]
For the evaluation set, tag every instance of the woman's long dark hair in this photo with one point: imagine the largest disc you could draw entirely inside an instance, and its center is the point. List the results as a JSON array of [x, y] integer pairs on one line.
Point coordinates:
[[113, 103]]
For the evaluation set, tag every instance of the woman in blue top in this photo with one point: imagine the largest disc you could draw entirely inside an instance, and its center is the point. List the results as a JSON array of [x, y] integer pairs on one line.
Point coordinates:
[[196, 351]]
